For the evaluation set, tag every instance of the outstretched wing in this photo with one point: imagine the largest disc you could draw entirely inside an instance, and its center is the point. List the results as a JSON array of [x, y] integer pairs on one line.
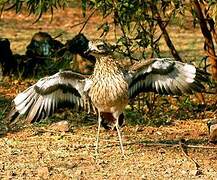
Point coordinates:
[[43, 98], [166, 76]]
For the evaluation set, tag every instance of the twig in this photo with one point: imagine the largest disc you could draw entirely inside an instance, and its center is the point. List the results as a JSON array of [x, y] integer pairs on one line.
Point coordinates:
[[183, 147], [86, 21], [77, 24], [83, 22], [145, 143], [60, 34], [5, 109]]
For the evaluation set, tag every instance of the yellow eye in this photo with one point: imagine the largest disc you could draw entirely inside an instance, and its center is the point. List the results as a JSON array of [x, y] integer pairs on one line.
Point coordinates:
[[101, 47]]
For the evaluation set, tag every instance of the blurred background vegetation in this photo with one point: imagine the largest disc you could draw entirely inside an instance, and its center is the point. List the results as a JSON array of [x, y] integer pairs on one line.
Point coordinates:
[[136, 23]]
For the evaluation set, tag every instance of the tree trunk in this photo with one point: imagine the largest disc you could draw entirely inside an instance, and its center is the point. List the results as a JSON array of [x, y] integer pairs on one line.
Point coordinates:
[[209, 46], [212, 28], [165, 33]]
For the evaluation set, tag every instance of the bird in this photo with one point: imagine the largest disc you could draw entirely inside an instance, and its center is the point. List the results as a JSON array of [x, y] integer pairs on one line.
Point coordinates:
[[108, 89]]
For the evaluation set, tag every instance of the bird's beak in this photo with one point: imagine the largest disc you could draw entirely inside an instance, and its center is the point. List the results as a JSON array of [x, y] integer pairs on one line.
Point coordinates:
[[91, 48], [87, 52]]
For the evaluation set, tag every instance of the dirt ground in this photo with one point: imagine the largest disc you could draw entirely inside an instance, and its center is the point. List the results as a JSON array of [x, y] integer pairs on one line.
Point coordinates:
[[39, 152], [151, 153]]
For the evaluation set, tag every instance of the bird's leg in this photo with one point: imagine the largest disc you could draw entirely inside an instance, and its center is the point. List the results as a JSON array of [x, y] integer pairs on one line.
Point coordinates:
[[120, 139], [97, 136]]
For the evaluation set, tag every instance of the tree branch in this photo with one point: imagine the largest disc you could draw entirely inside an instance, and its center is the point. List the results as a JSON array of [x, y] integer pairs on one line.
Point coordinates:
[[208, 45], [165, 33]]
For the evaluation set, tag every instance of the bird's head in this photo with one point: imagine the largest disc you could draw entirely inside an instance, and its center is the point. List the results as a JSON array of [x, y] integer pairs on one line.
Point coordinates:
[[98, 47]]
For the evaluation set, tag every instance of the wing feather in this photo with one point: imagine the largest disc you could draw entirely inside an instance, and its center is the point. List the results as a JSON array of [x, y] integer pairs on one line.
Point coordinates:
[[166, 76], [43, 98]]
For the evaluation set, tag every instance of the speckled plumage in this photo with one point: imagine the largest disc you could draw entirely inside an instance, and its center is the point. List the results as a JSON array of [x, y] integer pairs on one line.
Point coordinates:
[[109, 91]]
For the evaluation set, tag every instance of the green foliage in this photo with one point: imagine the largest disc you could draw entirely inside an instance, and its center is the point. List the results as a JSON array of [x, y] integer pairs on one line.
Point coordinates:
[[84, 7], [135, 19], [137, 22], [156, 120], [2, 115], [37, 7], [162, 110]]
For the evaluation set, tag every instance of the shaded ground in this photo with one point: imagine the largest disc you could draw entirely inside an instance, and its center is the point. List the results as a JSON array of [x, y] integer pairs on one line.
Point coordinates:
[[38, 152]]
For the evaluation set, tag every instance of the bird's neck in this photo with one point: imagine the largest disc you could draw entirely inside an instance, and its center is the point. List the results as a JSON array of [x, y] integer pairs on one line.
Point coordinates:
[[106, 65]]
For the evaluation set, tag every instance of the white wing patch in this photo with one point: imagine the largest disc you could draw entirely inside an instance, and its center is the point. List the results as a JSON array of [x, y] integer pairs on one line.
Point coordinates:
[[166, 76], [43, 98]]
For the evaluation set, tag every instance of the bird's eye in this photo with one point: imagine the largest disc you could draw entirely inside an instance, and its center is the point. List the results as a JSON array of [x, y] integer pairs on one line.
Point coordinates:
[[101, 47]]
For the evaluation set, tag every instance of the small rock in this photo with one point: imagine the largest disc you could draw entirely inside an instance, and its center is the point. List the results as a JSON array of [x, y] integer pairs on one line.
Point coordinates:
[[143, 177], [13, 173], [58, 176], [62, 126], [196, 172], [2, 166], [212, 127], [211, 170], [159, 133], [183, 172], [43, 172]]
